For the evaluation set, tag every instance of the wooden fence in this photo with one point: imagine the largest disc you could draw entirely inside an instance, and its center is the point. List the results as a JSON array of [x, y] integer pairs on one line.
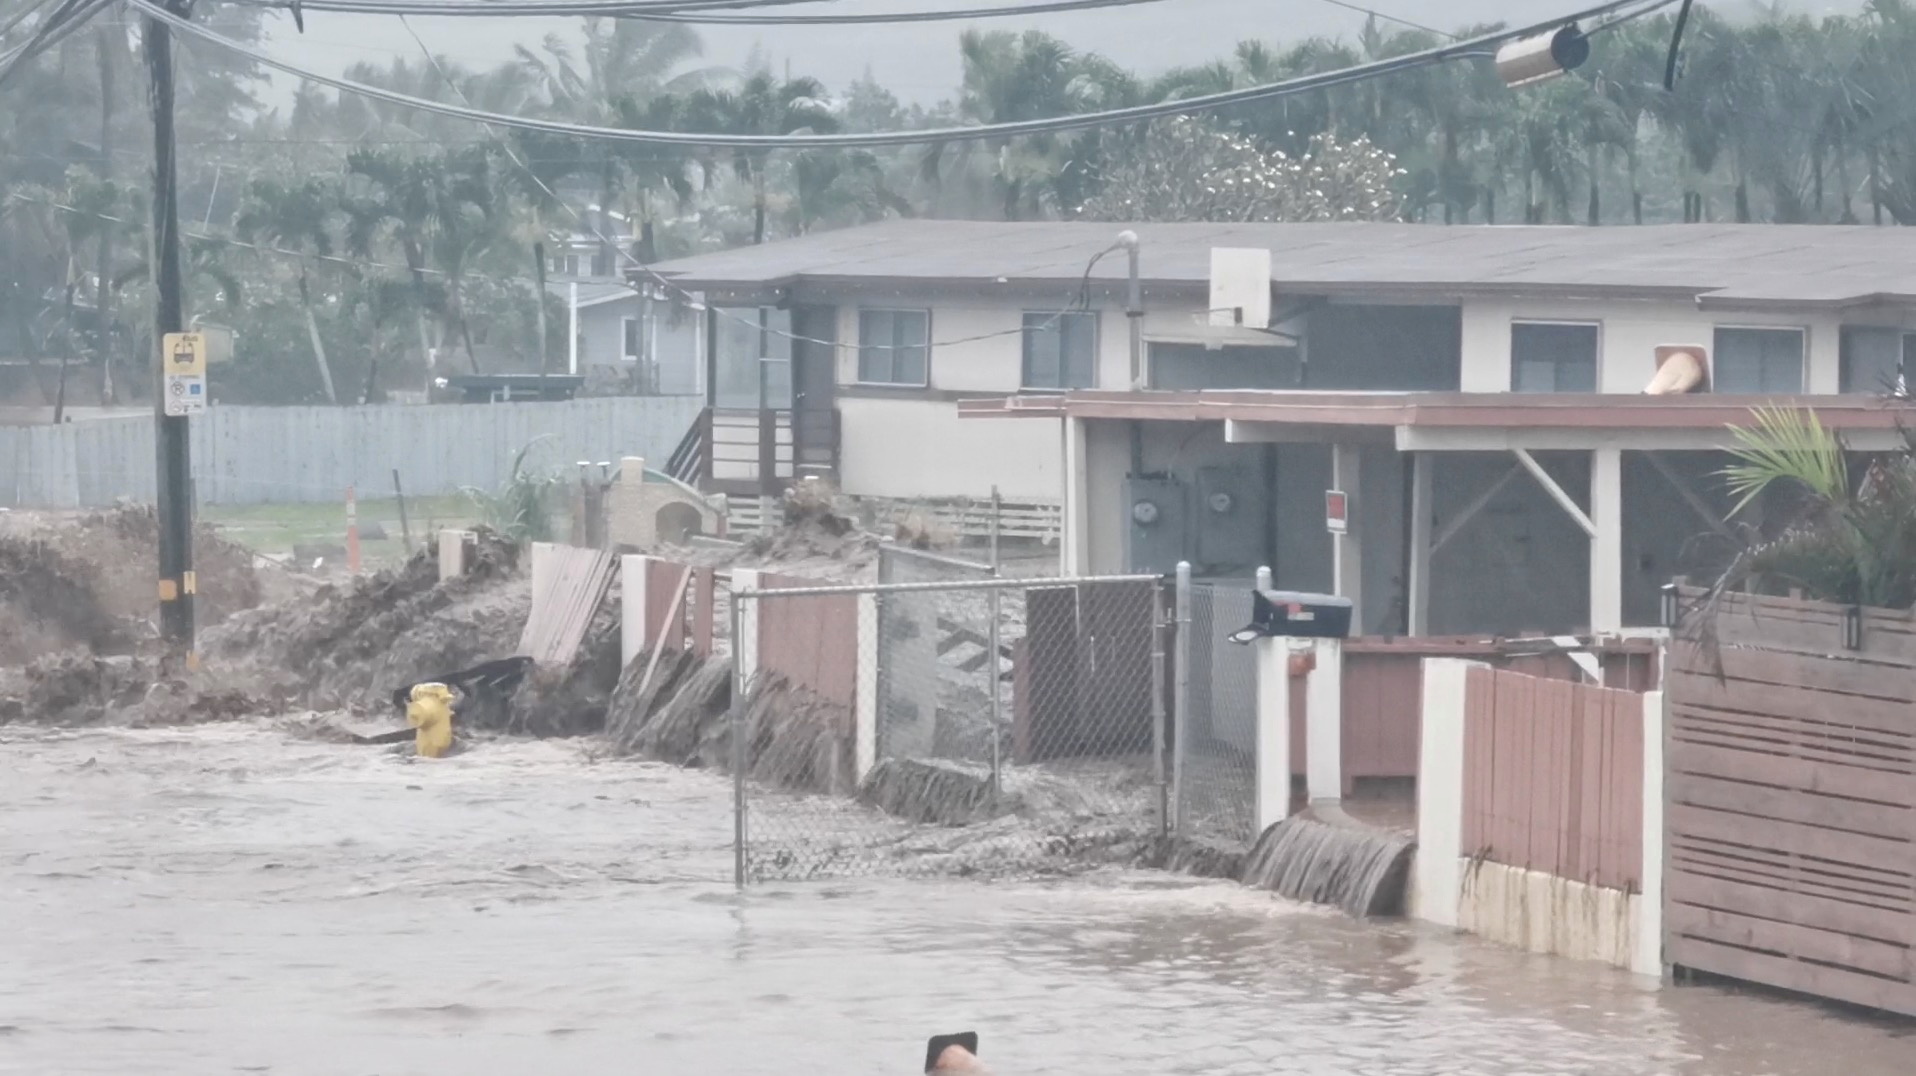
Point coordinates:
[[680, 606], [1553, 777], [1791, 799], [1383, 694], [809, 640]]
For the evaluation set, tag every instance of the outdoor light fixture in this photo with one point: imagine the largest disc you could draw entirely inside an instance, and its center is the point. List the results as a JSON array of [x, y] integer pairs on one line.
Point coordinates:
[[1667, 605], [1530, 60], [1853, 628]]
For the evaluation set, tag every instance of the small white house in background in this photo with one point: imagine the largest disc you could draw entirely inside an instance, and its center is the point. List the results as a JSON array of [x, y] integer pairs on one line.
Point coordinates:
[[625, 335], [1478, 393]]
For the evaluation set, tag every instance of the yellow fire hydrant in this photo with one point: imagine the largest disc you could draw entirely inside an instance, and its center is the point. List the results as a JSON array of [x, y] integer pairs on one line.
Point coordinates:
[[429, 710]]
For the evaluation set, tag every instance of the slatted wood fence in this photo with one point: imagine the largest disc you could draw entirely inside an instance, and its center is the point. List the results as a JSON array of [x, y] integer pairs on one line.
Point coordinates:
[[1553, 777], [1791, 799]]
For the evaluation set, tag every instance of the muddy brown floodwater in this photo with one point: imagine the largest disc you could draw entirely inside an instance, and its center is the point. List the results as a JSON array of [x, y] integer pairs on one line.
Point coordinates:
[[237, 898]]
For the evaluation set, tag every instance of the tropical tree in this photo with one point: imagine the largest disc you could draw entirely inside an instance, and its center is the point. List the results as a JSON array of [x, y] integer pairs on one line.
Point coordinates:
[[761, 105], [1185, 169], [299, 218], [1850, 534]]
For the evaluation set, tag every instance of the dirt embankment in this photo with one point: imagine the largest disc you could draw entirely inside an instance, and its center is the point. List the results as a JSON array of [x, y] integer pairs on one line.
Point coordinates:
[[86, 583], [351, 643]]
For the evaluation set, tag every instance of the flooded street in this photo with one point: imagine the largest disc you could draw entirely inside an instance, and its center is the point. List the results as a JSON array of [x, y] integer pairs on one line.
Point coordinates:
[[236, 898]]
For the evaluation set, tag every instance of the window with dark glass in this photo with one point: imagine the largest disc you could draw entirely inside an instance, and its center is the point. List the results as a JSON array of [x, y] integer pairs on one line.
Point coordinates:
[[1757, 360], [1874, 360], [1553, 357], [893, 347], [1195, 366], [1060, 351], [751, 357], [632, 340]]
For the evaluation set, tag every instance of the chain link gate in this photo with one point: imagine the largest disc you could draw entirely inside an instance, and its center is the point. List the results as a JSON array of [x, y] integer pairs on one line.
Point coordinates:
[[877, 730], [1215, 760]]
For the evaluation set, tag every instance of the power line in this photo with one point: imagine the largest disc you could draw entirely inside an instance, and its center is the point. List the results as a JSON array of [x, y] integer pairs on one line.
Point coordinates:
[[666, 283], [518, 8], [645, 12], [1080, 121], [1362, 10]]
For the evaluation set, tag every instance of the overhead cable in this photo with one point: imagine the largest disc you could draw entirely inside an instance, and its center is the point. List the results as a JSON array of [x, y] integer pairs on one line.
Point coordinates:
[[515, 8], [1081, 121], [662, 282], [642, 9]]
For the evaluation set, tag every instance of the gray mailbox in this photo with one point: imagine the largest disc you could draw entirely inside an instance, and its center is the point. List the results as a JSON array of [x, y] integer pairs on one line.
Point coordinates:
[[1292, 614]]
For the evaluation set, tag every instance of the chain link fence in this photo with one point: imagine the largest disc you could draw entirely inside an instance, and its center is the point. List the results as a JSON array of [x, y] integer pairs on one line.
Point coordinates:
[[1215, 770], [974, 726]]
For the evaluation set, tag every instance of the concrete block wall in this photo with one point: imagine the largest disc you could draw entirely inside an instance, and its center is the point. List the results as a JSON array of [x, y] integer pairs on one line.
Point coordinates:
[[646, 515]]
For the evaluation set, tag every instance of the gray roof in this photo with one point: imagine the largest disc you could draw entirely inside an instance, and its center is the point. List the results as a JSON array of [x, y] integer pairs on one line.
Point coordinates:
[[1727, 263], [591, 292]]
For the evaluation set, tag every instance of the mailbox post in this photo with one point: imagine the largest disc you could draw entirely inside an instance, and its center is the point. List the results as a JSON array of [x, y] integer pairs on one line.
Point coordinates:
[[1281, 622]]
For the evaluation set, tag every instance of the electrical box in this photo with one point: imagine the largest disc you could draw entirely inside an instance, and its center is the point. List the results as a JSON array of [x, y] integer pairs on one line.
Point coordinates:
[[1158, 523], [1292, 614], [1229, 519]]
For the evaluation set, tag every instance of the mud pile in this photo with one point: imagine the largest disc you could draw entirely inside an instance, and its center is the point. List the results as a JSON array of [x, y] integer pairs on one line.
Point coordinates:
[[48, 603], [120, 545], [812, 528], [86, 583], [351, 644]]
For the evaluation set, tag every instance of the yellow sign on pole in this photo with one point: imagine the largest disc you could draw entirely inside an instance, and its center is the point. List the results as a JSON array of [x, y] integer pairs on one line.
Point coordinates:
[[183, 366]]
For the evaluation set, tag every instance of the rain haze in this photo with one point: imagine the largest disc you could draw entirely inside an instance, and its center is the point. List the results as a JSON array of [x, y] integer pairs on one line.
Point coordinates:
[[919, 61]]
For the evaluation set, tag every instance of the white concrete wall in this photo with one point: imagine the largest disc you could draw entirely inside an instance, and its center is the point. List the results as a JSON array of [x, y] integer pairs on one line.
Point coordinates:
[[909, 448], [1526, 909], [1436, 872], [1628, 335]]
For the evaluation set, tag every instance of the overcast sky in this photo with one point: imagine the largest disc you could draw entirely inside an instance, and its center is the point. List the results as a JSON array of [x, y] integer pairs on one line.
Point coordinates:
[[919, 61]]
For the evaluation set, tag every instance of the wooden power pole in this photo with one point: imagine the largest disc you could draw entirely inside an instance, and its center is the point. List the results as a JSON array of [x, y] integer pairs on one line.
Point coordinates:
[[179, 363]]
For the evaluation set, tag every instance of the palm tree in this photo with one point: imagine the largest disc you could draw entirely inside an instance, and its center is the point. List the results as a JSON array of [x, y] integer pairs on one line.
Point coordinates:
[[296, 217], [761, 105], [442, 213], [1845, 541], [626, 73]]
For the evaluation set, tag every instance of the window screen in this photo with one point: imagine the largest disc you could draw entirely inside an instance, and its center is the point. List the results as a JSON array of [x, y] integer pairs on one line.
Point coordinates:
[[1060, 351], [1553, 358], [1194, 366], [1757, 360], [1874, 359], [893, 347]]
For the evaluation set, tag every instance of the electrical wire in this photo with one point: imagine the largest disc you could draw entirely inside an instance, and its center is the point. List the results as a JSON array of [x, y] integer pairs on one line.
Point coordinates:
[[57, 27], [721, 17], [660, 281], [520, 8], [1053, 125], [1362, 10]]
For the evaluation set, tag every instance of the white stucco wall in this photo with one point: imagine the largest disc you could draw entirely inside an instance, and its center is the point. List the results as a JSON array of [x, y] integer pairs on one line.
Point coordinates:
[[909, 448], [1629, 334], [602, 342]]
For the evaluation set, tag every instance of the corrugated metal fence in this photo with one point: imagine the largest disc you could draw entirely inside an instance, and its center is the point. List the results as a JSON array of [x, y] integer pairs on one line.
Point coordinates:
[[254, 455]]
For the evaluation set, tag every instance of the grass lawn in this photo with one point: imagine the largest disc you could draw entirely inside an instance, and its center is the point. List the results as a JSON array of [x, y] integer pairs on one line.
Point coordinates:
[[277, 528]]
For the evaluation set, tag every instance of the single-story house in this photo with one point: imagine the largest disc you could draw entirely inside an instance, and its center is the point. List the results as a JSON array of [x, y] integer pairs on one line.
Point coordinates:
[[1477, 394]]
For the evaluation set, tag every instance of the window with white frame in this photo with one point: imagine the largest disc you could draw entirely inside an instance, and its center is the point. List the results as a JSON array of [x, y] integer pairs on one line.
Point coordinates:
[[1875, 360], [1553, 356], [1752, 360], [894, 347], [1060, 351]]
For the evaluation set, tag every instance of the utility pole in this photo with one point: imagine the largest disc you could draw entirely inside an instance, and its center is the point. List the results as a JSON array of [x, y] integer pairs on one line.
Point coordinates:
[[175, 471], [1134, 308]]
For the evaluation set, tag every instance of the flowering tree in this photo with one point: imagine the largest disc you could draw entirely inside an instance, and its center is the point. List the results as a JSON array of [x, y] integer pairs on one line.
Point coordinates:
[[1185, 169]]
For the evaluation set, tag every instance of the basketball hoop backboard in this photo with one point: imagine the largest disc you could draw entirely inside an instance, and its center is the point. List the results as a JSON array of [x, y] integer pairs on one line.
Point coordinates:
[[1241, 287]]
